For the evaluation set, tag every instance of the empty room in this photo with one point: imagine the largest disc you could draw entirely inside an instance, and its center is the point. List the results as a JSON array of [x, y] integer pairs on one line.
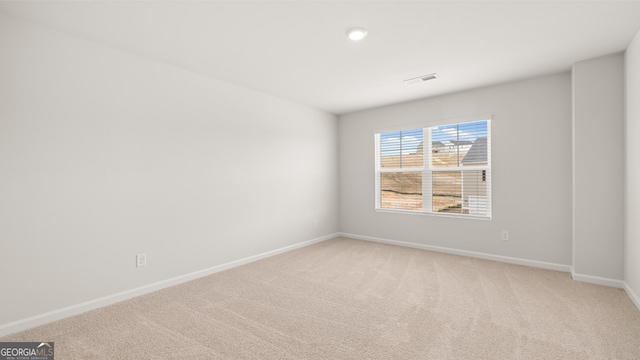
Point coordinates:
[[319, 179]]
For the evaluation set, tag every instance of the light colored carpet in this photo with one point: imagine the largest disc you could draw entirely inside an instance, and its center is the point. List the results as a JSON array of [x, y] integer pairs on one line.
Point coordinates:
[[350, 299]]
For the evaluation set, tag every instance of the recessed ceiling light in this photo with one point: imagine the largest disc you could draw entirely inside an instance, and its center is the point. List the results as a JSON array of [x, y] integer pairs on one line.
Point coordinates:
[[356, 33]]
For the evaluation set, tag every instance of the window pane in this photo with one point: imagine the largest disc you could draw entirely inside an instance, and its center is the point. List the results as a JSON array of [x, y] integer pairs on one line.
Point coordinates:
[[451, 145], [447, 191], [444, 149], [475, 132], [390, 149], [402, 149], [401, 190], [475, 191], [412, 149]]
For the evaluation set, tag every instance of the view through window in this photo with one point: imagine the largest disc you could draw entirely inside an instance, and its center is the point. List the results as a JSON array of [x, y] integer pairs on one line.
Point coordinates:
[[442, 169]]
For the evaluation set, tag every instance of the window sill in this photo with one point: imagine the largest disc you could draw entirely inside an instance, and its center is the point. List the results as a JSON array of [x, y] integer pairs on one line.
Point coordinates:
[[424, 213]]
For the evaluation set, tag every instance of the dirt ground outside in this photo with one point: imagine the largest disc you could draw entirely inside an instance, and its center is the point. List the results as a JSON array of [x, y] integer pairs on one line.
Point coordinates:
[[402, 190], [393, 200]]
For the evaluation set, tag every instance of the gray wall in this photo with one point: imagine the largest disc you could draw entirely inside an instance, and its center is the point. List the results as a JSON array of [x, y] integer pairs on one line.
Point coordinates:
[[531, 172], [632, 176], [598, 155], [104, 155]]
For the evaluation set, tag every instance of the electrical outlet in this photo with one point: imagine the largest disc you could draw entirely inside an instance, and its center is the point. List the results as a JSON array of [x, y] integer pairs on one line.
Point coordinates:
[[141, 260], [505, 235]]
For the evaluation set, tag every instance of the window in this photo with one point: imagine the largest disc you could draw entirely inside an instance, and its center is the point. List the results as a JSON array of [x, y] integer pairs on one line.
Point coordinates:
[[444, 169]]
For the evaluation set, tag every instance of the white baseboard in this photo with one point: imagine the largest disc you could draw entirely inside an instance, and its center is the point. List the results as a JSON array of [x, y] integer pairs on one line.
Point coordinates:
[[597, 280], [634, 297], [24, 324], [473, 254]]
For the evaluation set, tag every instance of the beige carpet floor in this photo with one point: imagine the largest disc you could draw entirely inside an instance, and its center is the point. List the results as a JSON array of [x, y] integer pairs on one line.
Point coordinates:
[[350, 299]]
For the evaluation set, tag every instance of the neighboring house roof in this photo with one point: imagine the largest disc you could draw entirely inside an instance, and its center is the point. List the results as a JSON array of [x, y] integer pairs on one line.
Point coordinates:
[[437, 145], [477, 153]]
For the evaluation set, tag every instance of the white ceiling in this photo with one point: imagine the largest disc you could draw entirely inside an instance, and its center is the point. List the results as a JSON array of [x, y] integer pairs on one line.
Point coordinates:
[[297, 50]]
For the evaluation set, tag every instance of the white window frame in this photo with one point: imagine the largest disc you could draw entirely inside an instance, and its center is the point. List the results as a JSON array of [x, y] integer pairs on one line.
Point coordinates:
[[427, 170]]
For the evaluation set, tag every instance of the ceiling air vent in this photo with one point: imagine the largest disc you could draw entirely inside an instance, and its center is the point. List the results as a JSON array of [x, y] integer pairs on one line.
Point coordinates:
[[421, 79]]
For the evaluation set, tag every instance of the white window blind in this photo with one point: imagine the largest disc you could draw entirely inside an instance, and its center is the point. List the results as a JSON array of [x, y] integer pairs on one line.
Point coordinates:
[[443, 169]]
